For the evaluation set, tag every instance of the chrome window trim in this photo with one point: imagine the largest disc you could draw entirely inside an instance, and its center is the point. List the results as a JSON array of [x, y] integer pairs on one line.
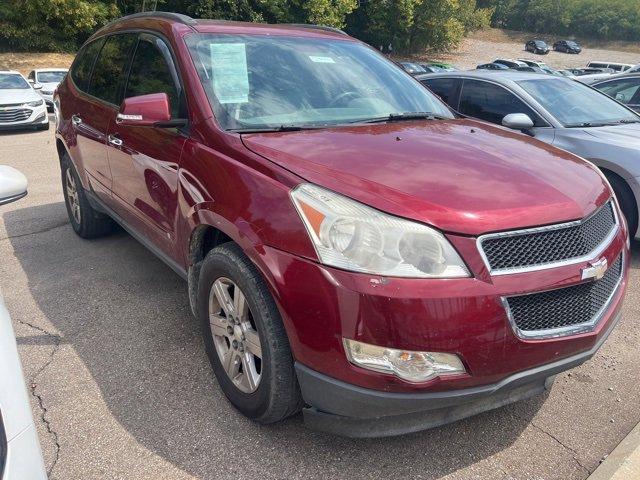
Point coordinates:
[[558, 226], [579, 328]]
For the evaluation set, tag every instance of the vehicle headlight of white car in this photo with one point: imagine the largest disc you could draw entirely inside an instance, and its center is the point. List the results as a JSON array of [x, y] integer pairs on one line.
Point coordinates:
[[36, 103], [352, 236]]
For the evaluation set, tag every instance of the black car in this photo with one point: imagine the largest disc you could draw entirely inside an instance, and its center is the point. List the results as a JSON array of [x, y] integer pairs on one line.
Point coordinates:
[[492, 66], [538, 47], [567, 46]]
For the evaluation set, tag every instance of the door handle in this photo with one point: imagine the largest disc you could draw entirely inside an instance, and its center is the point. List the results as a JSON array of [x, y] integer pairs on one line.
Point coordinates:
[[76, 120], [113, 140]]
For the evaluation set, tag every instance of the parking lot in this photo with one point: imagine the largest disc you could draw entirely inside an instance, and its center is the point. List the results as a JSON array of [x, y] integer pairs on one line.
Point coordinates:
[[121, 386]]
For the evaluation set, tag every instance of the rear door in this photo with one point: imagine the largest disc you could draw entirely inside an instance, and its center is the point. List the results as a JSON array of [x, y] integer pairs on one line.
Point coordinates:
[[144, 160], [98, 108]]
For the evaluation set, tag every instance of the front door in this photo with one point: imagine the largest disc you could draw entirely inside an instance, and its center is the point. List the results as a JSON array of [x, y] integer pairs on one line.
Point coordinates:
[[144, 160]]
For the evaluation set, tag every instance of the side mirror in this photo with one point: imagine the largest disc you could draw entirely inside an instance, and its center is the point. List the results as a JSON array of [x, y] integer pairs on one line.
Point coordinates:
[[517, 121], [13, 185], [36, 86], [31, 81], [145, 111]]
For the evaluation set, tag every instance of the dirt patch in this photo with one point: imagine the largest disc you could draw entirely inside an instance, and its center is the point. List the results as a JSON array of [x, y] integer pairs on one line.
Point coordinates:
[[25, 62], [487, 45]]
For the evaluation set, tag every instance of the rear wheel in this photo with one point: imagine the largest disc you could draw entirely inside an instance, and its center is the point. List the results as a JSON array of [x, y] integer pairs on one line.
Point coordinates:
[[244, 337], [86, 221]]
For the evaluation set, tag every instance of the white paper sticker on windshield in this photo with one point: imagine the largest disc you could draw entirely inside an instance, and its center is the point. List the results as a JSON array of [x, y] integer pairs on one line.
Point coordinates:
[[230, 73], [321, 59]]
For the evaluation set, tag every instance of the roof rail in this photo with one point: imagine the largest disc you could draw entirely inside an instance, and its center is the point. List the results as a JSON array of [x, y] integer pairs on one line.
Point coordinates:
[[178, 17], [316, 27]]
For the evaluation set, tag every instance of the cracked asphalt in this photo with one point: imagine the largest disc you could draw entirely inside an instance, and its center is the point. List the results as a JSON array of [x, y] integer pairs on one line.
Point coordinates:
[[121, 387]]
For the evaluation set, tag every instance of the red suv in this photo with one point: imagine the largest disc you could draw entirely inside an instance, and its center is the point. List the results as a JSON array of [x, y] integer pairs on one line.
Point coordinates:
[[353, 249]]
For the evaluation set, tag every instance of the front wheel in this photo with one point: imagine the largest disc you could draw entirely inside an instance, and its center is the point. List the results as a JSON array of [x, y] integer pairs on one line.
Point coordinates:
[[245, 338], [626, 200]]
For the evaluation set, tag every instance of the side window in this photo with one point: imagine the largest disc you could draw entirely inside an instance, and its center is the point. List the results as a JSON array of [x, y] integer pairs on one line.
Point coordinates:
[[443, 87], [108, 73], [492, 103], [622, 90], [150, 72], [81, 69]]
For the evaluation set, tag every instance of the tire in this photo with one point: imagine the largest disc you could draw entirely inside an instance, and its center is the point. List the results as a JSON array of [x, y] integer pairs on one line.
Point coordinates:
[[276, 394], [626, 200], [86, 221]]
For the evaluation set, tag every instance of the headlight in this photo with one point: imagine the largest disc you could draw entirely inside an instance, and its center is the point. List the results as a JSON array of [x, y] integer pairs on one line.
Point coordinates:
[[46, 92], [355, 237], [405, 364], [37, 103]]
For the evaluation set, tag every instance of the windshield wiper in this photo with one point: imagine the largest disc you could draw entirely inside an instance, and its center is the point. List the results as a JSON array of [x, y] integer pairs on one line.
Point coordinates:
[[399, 117], [281, 128], [626, 121]]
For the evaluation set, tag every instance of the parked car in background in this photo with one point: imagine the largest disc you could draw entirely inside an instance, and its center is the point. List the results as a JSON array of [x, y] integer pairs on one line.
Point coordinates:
[[541, 65], [558, 111], [539, 47], [625, 89], [351, 251], [431, 68], [634, 69], [20, 454], [20, 105], [47, 79], [509, 63], [492, 66], [567, 46], [579, 72], [616, 67], [566, 73], [412, 68], [447, 67]]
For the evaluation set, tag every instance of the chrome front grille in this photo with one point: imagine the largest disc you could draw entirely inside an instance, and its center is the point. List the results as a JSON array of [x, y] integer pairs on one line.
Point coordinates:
[[14, 115], [553, 245], [564, 311]]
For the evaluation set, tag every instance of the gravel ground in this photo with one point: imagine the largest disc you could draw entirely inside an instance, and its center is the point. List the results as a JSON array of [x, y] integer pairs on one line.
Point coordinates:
[[487, 45]]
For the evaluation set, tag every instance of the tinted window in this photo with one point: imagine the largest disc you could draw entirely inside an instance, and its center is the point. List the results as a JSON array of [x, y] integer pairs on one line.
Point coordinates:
[[625, 91], [441, 87], [81, 70], [150, 73], [492, 103], [576, 105], [107, 78]]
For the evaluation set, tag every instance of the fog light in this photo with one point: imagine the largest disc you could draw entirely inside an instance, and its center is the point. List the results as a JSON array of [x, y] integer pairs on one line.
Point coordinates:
[[407, 365]]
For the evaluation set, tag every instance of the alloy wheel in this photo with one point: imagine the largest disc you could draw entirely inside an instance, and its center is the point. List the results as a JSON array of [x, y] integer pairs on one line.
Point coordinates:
[[235, 335], [72, 196]]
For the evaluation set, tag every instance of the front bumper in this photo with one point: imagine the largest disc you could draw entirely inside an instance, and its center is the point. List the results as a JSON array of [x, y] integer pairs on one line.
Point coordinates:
[[36, 116], [343, 409]]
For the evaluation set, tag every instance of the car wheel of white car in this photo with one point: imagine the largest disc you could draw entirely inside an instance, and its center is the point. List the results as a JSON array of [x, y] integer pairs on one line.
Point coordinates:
[[86, 221]]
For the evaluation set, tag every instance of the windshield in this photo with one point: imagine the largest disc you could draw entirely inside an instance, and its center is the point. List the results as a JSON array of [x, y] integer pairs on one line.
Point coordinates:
[[12, 80], [50, 77], [572, 44], [255, 82], [576, 105]]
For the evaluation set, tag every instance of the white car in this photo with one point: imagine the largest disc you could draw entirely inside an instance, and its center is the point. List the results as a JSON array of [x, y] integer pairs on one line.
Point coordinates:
[[20, 454], [20, 105], [48, 79]]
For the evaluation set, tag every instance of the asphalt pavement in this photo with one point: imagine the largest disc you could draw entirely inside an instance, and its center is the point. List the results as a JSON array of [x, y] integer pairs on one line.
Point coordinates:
[[122, 389]]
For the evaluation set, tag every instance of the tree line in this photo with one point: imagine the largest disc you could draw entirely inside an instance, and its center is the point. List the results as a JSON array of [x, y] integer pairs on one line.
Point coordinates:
[[601, 19], [400, 25]]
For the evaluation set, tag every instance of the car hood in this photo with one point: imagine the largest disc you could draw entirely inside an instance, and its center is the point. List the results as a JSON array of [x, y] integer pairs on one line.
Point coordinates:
[[621, 135], [50, 86], [17, 95], [461, 176]]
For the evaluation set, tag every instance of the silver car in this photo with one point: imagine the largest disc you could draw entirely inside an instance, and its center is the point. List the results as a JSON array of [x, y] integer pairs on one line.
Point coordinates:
[[47, 80], [624, 88], [559, 111], [20, 455]]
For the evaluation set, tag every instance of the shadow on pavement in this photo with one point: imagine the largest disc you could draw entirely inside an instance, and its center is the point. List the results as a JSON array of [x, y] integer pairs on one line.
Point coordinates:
[[126, 315]]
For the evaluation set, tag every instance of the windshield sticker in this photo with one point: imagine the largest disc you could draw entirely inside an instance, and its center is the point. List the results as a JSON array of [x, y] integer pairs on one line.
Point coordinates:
[[321, 59], [230, 73]]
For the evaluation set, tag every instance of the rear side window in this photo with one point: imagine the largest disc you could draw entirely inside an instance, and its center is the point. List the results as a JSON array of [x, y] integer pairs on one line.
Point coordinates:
[[151, 73], [108, 73], [443, 87], [81, 69], [492, 103]]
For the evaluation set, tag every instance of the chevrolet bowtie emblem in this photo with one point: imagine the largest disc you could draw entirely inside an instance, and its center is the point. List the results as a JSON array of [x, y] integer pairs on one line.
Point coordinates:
[[595, 270]]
